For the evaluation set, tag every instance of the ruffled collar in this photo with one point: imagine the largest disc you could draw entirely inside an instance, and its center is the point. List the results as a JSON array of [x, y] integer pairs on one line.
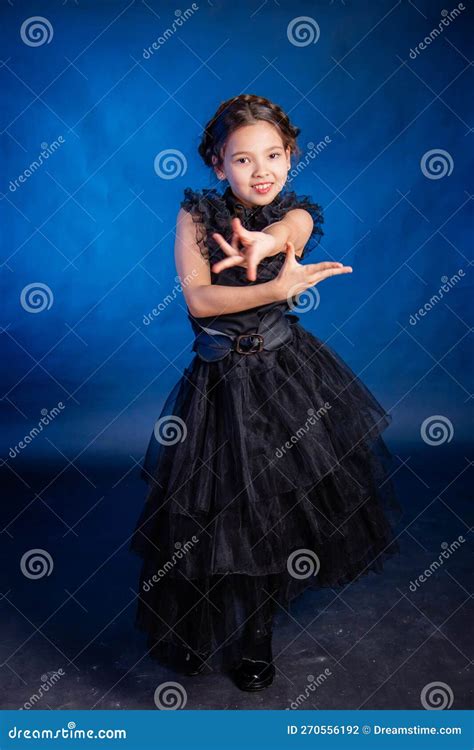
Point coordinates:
[[249, 212], [212, 212]]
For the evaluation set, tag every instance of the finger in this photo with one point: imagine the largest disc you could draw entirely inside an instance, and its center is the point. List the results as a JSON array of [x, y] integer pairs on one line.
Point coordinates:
[[321, 275], [315, 267], [290, 252], [221, 265], [245, 236], [238, 227], [251, 269], [223, 244], [235, 242]]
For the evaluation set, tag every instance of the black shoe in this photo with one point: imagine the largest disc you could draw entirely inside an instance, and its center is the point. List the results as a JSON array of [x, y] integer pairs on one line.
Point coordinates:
[[193, 663], [252, 675]]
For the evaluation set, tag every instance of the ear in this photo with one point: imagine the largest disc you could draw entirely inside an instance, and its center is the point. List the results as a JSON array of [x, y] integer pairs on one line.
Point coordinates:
[[288, 157], [219, 172]]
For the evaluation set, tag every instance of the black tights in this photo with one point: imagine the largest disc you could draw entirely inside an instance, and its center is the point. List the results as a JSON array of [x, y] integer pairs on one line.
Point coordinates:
[[255, 644]]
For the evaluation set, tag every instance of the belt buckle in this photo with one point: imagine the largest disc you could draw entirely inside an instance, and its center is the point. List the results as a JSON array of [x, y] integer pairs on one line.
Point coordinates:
[[257, 336]]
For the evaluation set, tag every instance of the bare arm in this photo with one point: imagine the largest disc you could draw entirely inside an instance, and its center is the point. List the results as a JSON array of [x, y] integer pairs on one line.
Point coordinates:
[[203, 298], [296, 227]]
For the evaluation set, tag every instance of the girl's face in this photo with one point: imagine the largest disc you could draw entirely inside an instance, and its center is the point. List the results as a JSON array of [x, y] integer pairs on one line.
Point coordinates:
[[254, 155]]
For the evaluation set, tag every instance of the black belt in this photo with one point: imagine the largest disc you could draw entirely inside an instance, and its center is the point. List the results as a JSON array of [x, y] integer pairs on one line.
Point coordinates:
[[274, 330]]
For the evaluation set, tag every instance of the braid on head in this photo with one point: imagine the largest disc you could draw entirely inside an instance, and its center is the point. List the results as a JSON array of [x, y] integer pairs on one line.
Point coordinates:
[[244, 109]]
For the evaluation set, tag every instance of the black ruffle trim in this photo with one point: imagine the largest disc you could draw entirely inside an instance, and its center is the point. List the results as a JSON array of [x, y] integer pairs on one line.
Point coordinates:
[[212, 212]]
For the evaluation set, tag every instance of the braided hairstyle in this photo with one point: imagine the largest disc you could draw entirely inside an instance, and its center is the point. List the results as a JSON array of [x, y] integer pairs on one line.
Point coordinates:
[[244, 109]]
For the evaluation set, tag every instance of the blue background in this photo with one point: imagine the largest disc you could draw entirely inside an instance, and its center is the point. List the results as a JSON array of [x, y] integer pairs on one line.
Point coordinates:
[[96, 223]]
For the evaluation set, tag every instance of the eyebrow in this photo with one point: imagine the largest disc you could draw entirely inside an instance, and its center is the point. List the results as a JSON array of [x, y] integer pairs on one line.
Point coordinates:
[[270, 148]]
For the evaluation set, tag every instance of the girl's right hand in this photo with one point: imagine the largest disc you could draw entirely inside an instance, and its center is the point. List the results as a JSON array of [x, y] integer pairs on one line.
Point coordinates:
[[294, 277]]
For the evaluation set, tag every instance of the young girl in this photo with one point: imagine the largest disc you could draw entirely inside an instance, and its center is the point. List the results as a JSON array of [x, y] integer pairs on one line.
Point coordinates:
[[267, 473]]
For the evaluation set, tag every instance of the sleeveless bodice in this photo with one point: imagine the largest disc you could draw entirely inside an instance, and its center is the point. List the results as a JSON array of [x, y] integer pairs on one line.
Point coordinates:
[[212, 212]]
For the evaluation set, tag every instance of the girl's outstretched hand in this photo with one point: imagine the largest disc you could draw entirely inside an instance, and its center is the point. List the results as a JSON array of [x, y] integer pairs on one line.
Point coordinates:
[[255, 247], [294, 277]]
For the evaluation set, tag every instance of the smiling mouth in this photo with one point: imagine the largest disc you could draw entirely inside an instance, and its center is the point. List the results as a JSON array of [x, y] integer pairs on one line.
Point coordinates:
[[262, 187]]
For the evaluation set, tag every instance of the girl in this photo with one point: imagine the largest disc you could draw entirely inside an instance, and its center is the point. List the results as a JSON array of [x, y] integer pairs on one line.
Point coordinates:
[[267, 472]]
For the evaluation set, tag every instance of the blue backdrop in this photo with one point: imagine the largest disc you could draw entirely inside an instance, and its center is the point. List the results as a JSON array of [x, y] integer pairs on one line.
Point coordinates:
[[103, 105]]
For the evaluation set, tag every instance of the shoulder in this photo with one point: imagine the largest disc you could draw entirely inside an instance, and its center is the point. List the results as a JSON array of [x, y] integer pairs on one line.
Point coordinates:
[[302, 217], [302, 206], [206, 209], [307, 212], [291, 201], [201, 201]]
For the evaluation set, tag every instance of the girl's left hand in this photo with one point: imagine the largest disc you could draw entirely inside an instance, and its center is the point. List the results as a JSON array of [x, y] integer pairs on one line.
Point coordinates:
[[256, 246]]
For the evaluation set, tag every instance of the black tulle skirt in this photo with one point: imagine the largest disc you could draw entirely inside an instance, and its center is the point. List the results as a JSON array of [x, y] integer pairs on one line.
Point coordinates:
[[267, 475]]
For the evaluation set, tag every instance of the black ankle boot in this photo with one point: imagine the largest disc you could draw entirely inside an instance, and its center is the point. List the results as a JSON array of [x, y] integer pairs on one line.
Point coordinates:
[[256, 669], [253, 675], [193, 662]]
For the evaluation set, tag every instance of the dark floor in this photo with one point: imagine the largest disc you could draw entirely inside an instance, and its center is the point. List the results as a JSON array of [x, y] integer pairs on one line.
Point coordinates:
[[379, 641]]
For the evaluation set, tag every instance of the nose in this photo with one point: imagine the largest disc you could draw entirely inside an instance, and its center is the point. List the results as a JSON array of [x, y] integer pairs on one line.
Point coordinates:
[[260, 170]]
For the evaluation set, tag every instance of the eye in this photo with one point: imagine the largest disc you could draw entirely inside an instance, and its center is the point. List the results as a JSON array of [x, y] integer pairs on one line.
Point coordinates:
[[241, 158], [275, 153]]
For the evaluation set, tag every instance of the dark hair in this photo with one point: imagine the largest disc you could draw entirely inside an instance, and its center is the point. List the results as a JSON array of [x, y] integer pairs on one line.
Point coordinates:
[[244, 109]]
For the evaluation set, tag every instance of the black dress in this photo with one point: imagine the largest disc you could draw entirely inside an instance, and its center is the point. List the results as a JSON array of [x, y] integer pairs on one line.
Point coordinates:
[[267, 473]]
